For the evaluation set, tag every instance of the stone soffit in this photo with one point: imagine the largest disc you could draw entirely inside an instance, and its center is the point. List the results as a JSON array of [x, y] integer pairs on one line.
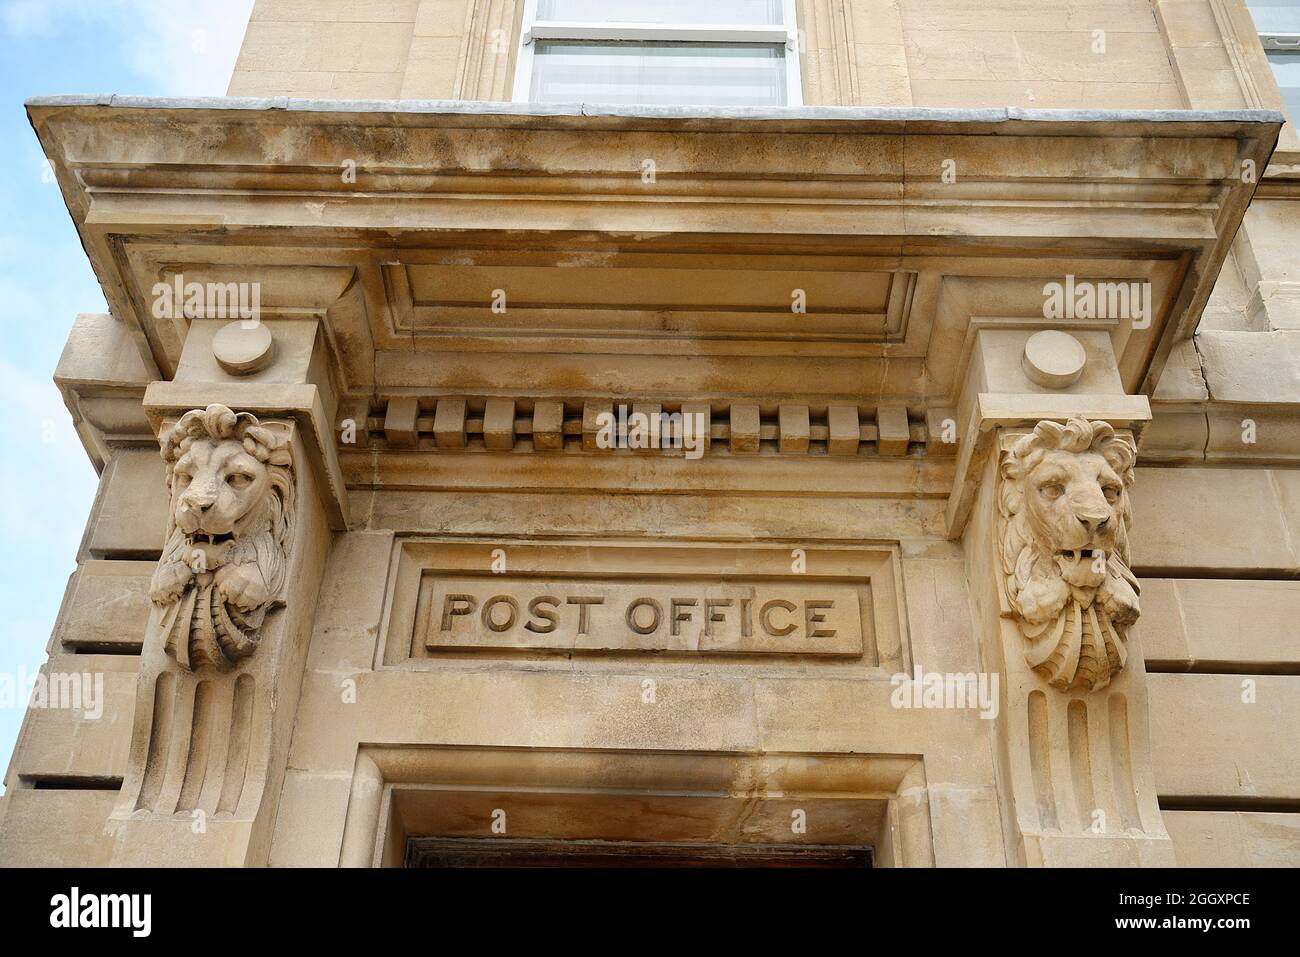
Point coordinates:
[[625, 238]]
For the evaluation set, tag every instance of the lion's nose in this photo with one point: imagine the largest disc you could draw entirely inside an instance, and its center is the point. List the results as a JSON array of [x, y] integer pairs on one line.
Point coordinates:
[[197, 503], [1094, 522]]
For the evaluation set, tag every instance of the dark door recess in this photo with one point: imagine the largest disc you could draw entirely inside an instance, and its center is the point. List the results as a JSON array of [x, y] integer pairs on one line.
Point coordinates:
[[518, 852]]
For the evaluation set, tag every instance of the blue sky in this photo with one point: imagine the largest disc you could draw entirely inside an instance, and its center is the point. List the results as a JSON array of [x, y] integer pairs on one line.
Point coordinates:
[[146, 47]]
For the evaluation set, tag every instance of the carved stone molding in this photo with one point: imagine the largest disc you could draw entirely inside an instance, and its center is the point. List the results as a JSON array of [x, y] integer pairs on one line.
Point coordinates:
[[229, 530], [1063, 499], [485, 66], [455, 424], [830, 70]]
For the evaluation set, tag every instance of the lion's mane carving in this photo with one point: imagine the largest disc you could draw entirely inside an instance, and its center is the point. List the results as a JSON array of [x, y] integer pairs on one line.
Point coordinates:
[[228, 534], [1064, 501]]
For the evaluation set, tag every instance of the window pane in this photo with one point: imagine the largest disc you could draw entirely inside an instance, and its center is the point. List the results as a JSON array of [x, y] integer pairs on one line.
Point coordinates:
[[1275, 16], [677, 74], [1286, 67], [746, 12]]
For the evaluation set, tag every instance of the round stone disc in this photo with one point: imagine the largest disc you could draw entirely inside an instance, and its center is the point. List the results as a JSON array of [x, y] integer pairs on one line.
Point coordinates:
[[1054, 359], [243, 348]]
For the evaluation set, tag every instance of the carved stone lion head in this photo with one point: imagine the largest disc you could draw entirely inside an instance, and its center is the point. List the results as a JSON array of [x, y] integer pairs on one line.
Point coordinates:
[[219, 472], [228, 533], [1064, 499]]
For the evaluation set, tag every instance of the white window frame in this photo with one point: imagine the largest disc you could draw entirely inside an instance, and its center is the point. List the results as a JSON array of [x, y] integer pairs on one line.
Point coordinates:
[[785, 33], [1280, 42], [1288, 43]]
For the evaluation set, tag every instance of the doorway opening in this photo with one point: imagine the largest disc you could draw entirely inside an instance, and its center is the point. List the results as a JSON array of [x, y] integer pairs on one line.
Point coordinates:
[[533, 807]]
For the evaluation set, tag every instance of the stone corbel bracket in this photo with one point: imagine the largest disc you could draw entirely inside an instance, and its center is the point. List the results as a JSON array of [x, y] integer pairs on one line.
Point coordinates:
[[1055, 624], [222, 662]]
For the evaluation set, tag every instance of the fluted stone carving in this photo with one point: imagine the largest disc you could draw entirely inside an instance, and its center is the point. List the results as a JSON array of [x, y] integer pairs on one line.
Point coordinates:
[[229, 527], [1064, 505]]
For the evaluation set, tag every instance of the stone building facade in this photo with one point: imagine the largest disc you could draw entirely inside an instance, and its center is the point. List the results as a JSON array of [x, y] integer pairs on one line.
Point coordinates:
[[969, 531]]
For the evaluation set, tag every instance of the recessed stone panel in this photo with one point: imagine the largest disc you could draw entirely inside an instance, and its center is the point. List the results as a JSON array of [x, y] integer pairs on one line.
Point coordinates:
[[626, 294], [735, 616], [746, 604]]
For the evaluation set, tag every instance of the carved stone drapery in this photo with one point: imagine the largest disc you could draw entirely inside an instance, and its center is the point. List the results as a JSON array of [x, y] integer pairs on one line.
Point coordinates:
[[1063, 498], [229, 528]]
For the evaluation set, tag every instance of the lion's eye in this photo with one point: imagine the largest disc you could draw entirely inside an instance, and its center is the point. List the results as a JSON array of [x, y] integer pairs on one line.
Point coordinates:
[[238, 480], [1111, 492], [181, 478], [1053, 490]]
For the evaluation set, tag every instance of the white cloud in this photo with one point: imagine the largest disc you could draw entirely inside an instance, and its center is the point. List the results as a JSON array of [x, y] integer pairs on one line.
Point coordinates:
[[190, 46], [186, 47]]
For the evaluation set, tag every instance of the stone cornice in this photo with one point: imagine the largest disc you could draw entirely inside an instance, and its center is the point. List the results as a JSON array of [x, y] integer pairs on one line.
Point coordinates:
[[712, 116], [211, 185], [102, 381], [663, 292]]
